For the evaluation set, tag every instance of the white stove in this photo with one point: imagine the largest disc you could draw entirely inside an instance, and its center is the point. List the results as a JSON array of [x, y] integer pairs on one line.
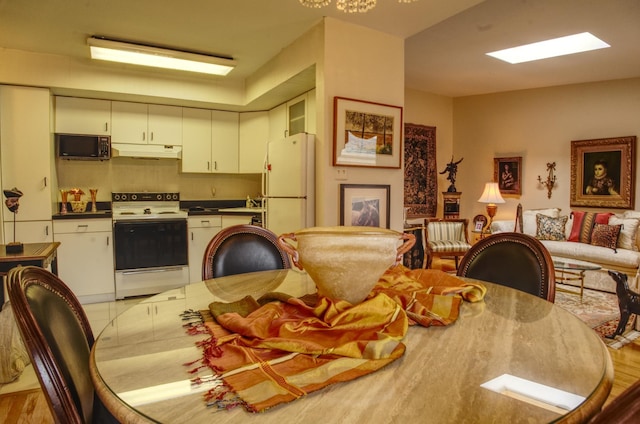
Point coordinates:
[[146, 206]]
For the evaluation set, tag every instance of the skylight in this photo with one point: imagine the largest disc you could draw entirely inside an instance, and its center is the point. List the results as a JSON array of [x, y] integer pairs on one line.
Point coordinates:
[[569, 44]]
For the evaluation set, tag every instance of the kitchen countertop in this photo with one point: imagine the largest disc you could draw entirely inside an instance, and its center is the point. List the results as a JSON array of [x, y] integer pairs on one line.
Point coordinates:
[[83, 215]]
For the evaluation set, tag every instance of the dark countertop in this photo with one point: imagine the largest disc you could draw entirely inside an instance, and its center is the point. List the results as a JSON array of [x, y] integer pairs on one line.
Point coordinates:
[[84, 215]]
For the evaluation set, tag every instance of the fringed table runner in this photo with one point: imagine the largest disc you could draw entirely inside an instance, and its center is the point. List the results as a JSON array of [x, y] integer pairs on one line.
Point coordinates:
[[276, 349]]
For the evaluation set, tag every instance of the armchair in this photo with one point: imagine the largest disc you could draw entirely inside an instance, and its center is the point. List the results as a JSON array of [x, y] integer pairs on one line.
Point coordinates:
[[446, 238]]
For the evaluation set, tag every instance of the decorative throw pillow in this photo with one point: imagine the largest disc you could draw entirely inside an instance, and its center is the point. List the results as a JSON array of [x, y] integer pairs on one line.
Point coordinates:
[[606, 236], [627, 239], [529, 222], [583, 223], [549, 228]]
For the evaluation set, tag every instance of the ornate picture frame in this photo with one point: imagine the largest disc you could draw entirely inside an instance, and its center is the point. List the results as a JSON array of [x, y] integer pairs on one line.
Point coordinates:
[[603, 172], [507, 172], [365, 205], [366, 134]]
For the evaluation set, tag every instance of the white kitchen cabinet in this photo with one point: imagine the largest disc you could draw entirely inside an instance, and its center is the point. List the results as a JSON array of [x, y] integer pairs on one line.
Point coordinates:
[[293, 117], [202, 228], [254, 133], [74, 115], [158, 317], [196, 140], [85, 257], [140, 123], [224, 141], [229, 220], [210, 141], [26, 157]]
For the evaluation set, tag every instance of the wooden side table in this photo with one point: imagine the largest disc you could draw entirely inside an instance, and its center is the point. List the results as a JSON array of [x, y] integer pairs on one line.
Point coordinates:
[[38, 254]]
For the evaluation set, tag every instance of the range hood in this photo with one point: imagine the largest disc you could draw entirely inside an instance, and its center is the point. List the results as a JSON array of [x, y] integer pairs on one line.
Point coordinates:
[[145, 151]]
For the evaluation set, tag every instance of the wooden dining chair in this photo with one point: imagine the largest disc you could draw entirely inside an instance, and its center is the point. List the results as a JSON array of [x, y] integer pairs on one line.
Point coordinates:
[[59, 339], [239, 249], [514, 260]]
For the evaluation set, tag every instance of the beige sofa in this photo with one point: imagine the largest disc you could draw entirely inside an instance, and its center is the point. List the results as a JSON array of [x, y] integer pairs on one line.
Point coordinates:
[[625, 257]]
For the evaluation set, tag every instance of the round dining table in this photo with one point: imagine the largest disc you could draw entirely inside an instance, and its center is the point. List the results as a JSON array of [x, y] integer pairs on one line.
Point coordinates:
[[448, 374]]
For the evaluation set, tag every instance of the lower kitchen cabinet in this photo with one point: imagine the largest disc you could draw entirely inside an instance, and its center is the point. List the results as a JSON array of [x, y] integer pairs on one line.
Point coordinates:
[[85, 258], [201, 230], [157, 315]]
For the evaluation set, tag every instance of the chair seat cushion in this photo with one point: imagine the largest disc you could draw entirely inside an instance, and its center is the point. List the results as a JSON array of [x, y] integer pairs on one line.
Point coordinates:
[[448, 246]]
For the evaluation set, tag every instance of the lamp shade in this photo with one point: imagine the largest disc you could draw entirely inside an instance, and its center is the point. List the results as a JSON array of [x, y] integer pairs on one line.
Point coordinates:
[[491, 194]]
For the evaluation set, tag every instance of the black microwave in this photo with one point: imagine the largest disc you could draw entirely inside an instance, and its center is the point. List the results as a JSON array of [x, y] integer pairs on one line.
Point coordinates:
[[83, 147]]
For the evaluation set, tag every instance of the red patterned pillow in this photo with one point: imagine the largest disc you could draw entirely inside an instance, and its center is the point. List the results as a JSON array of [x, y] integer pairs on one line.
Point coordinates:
[[583, 223], [606, 236]]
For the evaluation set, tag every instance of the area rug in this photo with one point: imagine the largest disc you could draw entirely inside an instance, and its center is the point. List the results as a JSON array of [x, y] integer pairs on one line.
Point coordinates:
[[599, 310]]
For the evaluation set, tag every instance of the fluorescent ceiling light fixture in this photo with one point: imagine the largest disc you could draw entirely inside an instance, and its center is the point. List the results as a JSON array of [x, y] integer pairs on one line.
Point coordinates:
[[569, 44], [137, 54]]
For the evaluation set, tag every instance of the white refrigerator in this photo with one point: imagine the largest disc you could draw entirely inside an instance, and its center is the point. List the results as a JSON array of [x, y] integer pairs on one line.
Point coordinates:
[[289, 184]]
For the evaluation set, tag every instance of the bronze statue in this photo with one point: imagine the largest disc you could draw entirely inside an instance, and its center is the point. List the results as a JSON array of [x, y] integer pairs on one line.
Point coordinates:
[[452, 169]]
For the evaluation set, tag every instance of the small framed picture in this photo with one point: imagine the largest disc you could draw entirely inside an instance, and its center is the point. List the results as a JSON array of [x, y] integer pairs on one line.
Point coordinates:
[[507, 172], [479, 222], [365, 205]]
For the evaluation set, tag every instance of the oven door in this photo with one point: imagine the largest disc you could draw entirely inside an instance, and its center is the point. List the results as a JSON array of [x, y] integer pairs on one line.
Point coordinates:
[[150, 256], [150, 244]]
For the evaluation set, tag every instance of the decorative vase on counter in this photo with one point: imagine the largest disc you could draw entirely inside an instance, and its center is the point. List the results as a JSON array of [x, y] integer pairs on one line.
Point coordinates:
[[63, 205], [93, 192]]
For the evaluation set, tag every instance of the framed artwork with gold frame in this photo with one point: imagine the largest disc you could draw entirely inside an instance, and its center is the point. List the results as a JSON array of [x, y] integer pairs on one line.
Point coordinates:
[[603, 172]]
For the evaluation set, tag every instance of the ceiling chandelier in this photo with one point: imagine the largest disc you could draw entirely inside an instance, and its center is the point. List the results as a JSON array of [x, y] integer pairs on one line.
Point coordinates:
[[348, 6]]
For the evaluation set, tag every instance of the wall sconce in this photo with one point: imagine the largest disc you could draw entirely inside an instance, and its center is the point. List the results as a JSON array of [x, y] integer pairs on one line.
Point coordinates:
[[551, 178]]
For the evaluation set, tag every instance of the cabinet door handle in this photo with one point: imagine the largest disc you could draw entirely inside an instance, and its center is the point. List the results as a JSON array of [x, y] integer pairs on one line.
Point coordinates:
[[46, 230], [204, 221], [192, 236], [151, 135], [83, 227], [215, 165], [106, 127], [144, 135], [45, 181], [208, 166], [107, 240]]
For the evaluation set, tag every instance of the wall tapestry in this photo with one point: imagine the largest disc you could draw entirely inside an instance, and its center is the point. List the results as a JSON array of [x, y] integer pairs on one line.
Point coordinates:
[[420, 170]]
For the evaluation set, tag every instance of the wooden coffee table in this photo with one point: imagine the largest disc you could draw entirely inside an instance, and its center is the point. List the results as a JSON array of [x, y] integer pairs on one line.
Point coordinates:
[[568, 269]]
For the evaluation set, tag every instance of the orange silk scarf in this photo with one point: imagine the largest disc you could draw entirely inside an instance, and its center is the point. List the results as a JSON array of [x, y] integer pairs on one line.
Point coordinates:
[[285, 349]]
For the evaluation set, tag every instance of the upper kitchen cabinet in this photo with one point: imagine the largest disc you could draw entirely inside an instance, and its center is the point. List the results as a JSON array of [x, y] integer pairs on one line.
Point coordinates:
[[254, 133], [82, 116], [26, 159], [296, 116], [140, 123], [224, 141], [210, 141]]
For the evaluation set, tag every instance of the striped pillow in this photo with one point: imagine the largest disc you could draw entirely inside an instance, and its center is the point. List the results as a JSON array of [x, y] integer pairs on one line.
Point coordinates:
[[583, 223]]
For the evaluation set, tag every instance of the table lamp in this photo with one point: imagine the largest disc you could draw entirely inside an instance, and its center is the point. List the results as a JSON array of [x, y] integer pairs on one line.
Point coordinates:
[[491, 195]]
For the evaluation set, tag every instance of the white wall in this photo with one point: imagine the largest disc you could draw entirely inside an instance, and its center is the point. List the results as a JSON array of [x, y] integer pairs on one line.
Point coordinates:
[[434, 111], [362, 64], [538, 125]]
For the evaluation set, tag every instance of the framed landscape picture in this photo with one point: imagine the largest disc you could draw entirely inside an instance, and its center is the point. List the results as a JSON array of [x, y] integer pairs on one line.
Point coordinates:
[[366, 134], [365, 205], [603, 172], [507, 172]]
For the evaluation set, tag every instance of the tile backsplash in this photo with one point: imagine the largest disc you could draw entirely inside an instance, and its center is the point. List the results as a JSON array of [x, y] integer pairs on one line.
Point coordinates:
[[127, 174]]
